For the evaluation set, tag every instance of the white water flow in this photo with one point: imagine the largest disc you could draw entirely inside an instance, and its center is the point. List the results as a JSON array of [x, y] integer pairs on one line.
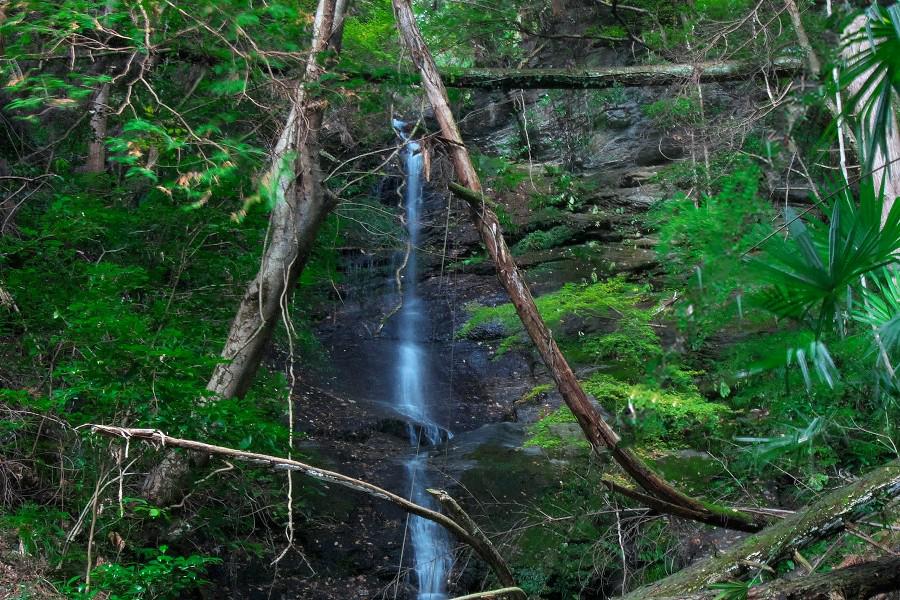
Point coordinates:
[[431, 549]]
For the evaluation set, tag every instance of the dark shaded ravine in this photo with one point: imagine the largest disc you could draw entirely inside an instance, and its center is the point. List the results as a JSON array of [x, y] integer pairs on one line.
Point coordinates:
[[346, 416], [358, 543]]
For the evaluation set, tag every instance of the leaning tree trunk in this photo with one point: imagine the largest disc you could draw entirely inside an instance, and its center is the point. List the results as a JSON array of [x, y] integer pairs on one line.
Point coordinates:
[[885, 171], [596, 430], [300, 208]]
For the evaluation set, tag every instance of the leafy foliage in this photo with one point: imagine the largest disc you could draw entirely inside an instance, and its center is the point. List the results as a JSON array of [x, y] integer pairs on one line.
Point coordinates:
[[702, 248], [813, 275], [160, 576]]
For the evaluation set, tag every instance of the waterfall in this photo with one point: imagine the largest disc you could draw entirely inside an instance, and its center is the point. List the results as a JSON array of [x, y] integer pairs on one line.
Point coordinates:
[[430, 543]]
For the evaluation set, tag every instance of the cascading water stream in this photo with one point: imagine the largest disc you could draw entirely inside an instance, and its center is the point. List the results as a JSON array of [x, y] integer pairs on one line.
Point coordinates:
[[431, 547]]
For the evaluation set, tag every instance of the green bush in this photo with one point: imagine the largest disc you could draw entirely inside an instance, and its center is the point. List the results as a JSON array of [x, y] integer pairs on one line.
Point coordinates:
[[673, 112], [160, 576], [702, 247]]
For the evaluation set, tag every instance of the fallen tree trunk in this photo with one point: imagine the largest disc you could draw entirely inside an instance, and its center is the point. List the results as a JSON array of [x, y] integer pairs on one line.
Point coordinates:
[[467, 532], [597, 431], [596, 78], [859, 581], [822, 519], [510, 593], [856, 582]]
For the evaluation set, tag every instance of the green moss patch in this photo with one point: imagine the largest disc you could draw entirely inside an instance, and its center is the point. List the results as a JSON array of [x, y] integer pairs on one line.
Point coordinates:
[[536, 392], [543, 240], [626, 336], [659, 415], [556, 431]]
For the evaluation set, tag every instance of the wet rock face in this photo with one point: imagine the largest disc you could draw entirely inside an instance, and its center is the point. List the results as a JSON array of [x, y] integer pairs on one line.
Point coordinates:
[[582, 129], [346, 414]]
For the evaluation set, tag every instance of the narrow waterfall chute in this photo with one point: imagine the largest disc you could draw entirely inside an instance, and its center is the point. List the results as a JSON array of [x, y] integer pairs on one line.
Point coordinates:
[[432, 556]]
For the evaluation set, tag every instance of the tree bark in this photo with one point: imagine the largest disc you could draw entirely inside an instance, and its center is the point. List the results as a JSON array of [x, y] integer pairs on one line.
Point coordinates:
[[812, 59], [882, 163], [96, 159], [859, 581], [596, 430], [597, 78], [822, 519], [856, 582], [300, 208], [463, 532]]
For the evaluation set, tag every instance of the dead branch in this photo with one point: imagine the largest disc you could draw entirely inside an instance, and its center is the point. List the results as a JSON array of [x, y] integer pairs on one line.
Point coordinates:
[[508, 593], [478, 542], [452, 507], [660, 506]]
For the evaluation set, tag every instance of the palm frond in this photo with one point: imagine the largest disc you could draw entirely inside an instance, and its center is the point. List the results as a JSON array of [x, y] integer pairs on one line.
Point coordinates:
[[766, 449], [880, 308], [875, 68], [811, 358], [817, 268]]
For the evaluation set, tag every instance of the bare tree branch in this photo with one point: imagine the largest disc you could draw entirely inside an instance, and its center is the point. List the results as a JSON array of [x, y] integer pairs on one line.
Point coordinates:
[[474, 538]]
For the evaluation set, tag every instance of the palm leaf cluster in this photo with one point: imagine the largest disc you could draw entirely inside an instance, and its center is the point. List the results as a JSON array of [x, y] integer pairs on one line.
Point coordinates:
[[880, 309], [816, 276], [875, 69]]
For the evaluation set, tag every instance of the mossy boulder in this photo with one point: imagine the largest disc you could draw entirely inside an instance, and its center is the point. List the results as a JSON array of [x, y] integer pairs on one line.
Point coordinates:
[[558, 433]]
